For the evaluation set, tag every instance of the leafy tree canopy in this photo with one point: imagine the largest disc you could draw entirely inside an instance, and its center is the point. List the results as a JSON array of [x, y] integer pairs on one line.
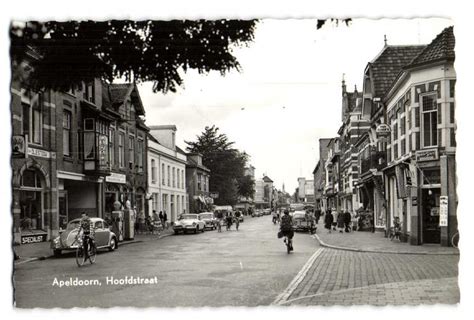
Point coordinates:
[[71, 52], [227, 165]]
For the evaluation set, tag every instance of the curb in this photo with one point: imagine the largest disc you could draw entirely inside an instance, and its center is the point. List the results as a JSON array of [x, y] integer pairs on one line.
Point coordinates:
[[52, 255], [323, 244]]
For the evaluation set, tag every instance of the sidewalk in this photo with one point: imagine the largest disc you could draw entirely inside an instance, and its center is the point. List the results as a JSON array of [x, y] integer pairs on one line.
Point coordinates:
[[364, 241], [42, 250]]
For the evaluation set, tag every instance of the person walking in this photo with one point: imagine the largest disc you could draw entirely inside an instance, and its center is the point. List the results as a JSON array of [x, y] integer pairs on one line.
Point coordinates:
[[347, 221], [340, 221], [328, 220], [160, 216], [165, 220], [317, 215]]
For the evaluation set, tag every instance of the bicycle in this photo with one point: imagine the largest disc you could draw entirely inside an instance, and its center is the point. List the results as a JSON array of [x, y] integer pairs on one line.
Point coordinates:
[[455, 240], [289, 244], [81, 255]]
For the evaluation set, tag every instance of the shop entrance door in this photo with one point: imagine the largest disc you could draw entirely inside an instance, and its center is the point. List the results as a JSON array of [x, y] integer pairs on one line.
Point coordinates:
[[431, 228]]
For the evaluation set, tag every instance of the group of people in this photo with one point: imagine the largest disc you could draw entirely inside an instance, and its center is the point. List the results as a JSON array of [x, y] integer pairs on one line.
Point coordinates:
[[229, 218], [341, 221]]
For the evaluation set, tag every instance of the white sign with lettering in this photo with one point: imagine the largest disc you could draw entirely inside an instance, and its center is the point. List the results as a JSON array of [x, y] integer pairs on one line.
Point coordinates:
[[39, 153], [443, 211], [116, 178]]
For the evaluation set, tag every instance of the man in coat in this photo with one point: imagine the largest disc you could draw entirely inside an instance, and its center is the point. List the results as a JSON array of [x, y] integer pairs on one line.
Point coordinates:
[[347, 221], [328, 220]]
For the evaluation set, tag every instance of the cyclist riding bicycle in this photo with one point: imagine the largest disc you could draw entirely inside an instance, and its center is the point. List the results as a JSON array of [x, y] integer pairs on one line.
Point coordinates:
[[286, 227], [85, 225]]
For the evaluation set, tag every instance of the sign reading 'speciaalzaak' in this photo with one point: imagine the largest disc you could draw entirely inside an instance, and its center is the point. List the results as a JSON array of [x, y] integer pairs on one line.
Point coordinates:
[[109, 281]]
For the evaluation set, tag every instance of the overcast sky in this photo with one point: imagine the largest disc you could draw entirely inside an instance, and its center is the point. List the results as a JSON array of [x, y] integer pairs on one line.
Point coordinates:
[[288, 94]]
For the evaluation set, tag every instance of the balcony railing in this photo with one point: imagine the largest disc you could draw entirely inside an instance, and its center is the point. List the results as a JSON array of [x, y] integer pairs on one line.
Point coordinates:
[[376, 160]]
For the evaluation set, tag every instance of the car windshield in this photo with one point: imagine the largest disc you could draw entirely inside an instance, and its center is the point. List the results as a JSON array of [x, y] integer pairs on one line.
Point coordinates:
[[189, 216], [73, 224], [206, 216], [298, 215]]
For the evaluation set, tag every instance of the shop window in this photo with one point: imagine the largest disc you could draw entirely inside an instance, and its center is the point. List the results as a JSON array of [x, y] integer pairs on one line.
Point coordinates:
[[32, 106], [429, 120]]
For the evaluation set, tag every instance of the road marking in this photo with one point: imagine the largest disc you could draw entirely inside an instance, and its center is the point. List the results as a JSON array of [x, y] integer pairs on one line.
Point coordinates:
[[241, 266], [281, 299]]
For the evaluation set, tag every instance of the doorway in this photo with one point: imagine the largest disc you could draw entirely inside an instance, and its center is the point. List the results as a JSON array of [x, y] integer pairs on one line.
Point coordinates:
[[430, 216]]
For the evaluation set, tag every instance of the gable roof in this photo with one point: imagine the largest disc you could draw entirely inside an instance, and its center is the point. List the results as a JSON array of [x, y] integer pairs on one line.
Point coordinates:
[[115, 94], [441, 48], [267, 179], [387, 65]]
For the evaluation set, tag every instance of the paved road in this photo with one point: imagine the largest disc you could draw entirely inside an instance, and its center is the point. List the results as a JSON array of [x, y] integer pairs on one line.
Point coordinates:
[[249, 267]]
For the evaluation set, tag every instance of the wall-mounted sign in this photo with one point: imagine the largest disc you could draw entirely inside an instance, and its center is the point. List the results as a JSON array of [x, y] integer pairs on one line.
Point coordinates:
[[18, 146], [116, 178], [427, 155], [382, 130], [443, 211], [39, 153], [33, 238]]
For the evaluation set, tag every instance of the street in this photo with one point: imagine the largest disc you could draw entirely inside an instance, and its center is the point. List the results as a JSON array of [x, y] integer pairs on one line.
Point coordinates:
[[249, 267]]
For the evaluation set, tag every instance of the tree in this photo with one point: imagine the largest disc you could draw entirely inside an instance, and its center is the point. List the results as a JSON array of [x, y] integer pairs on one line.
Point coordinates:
[[246, 186], [227, 165], [72, 52]]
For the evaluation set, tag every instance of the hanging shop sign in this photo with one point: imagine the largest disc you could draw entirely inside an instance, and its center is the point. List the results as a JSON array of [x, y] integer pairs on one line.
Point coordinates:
[[382, 130], [427, 155], [443, 211]]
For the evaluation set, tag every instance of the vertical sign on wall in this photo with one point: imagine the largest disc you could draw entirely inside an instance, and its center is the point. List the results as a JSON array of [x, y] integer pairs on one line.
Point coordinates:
[[443, 211]]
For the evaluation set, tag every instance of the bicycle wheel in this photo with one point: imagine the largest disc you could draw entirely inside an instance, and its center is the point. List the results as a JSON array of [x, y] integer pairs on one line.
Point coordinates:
[[92, 252], [80, 257]]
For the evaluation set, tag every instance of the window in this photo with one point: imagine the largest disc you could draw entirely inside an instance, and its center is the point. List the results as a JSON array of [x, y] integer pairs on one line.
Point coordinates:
[[182, 178], [169, 176], [131, 151], [140, 155], [174, 177], [177, 178], [32, 116], [153, 171], [89, 92], [199, 183], [429, 114], [111, 147], [154, 203], [121, 152], [163, 173], [67, 132]]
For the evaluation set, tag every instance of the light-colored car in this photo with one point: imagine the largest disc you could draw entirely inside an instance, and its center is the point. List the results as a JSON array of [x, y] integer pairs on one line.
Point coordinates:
[[188, 222], [299, 221], [103, 236], [210, 221]]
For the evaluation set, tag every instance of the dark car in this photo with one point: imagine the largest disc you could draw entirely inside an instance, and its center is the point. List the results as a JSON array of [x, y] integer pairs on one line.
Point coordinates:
[[300, 221]]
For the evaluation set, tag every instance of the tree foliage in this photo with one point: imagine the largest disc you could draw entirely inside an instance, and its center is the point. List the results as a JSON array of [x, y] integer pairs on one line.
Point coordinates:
[[227, 165], [75, 51]]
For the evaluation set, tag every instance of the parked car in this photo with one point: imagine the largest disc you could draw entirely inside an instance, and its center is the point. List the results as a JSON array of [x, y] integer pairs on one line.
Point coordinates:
[[103, 236], [267, 212], [300, 222], [188, 222], [210, 221]]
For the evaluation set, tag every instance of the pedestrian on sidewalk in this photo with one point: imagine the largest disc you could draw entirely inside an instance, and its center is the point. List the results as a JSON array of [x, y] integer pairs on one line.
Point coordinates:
[[328, 220], [340, 221], [165, 220], [317, 215], [347, 221], [160, 216]]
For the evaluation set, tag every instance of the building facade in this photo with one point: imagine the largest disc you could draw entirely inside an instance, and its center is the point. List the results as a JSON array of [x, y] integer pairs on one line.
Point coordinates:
[[420, 177], [75, 151], [167, 173], [319, 174], [197, 184]]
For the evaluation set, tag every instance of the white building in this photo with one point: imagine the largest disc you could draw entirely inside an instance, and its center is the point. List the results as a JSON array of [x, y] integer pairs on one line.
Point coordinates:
[[167, 173]]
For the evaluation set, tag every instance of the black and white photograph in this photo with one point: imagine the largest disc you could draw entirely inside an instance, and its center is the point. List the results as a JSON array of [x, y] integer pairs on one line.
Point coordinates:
[[283, 163]]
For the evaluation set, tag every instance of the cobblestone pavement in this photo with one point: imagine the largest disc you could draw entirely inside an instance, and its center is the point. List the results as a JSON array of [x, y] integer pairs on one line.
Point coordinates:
[[339, 277]]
